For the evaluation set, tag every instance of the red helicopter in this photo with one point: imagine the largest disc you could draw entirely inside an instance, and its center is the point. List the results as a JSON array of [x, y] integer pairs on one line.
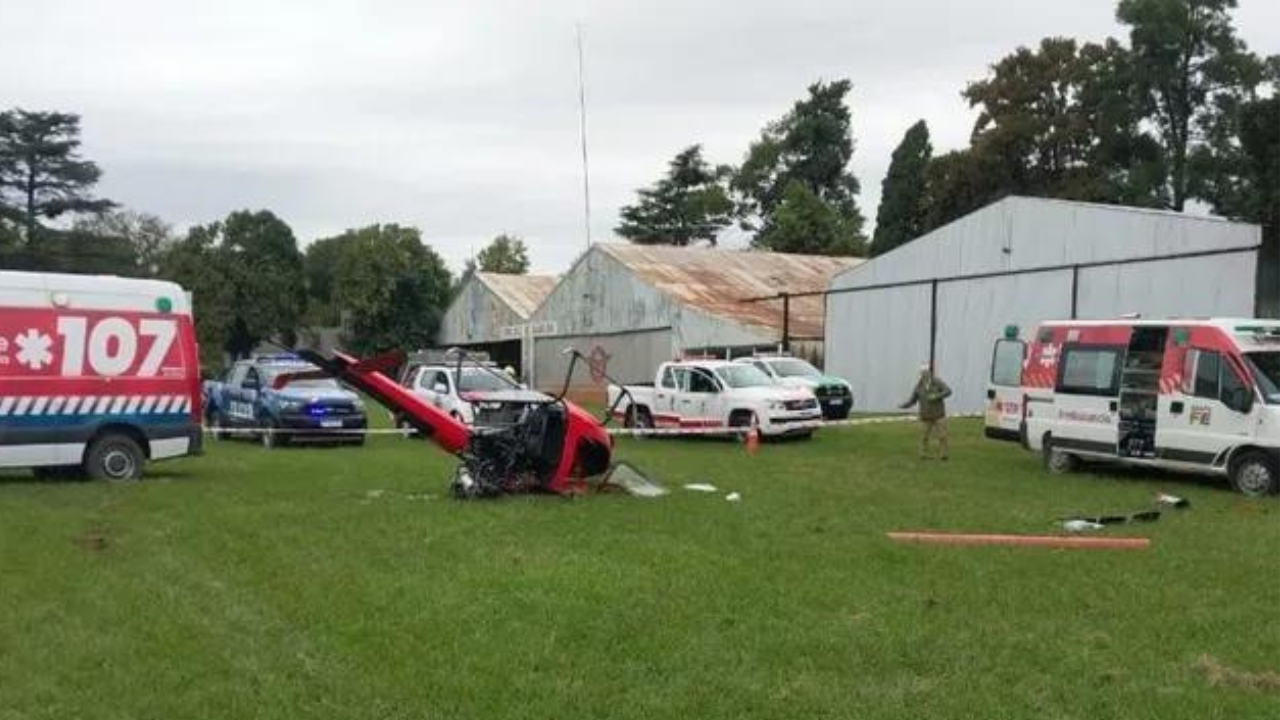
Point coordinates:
[[553, 447]]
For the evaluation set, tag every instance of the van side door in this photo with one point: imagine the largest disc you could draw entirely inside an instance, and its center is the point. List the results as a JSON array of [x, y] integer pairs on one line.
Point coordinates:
[[1211, 412], [1086, 400], [1003, 416]]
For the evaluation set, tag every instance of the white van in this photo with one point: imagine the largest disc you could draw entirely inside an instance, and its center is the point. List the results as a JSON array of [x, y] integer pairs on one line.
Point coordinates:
[[98, 374], [1190, 395]]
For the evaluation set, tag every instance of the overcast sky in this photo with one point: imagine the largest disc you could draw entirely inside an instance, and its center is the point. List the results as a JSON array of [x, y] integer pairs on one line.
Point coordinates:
[[461, 118]]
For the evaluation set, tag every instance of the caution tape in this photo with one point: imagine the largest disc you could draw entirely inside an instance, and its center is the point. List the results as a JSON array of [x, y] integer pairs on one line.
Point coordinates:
[[723, 430]]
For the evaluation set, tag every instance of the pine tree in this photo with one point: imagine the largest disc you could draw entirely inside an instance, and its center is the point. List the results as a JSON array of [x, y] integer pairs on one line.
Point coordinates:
[[900, 217]]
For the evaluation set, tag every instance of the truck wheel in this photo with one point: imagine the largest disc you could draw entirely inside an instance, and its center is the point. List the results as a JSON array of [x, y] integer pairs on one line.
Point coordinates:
[[638, 418], [1254, 474], [741, 419], [1057, 461], [114, 456]]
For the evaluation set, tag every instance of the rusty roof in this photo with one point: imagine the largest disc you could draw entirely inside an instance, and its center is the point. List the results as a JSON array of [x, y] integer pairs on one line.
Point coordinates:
[[716, 281], [522, 293]]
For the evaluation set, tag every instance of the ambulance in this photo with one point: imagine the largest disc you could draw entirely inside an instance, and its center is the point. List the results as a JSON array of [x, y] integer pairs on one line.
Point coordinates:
[[1199, 396], [98, 374]]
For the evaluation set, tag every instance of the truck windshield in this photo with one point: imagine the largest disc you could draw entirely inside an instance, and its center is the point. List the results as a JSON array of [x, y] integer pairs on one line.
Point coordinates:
[[1266, 371], [793, 368], [476, 379], [742, 376]]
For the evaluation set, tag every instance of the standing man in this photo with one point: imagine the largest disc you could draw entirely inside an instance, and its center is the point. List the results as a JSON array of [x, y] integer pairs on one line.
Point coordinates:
[[931, 394]]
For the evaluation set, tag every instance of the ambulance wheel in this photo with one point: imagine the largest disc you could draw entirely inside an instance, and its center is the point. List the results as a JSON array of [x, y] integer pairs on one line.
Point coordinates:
[[1254, 474], [1057, 461], [114, 456]]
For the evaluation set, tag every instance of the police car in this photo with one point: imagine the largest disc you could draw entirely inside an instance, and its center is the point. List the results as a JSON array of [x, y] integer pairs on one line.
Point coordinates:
[[262, 398]]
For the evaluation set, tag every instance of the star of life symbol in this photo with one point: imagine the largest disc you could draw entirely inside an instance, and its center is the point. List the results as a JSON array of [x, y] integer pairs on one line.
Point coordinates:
[[33, 349], [1048, 356]]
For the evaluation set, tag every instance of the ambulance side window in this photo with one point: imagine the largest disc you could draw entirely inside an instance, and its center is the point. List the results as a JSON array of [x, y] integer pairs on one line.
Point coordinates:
[[1208, 368], [1006, 363], [1235, 393], [1089, 370]]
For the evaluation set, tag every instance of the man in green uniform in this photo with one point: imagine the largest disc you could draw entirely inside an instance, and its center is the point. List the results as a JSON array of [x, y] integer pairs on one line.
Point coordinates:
[[930, 394]]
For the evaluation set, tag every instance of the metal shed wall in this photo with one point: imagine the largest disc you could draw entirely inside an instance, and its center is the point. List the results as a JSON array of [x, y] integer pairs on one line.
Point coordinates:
[[877, 338], [600, 301], [632, 357], [476, 315]]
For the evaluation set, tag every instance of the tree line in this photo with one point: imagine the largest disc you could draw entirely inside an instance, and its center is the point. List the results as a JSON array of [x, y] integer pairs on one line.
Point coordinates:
[[1178, 111], [250, 280]]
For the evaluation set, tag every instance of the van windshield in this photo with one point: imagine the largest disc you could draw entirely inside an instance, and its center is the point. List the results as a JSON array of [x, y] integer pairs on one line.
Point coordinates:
[[1266, 371]]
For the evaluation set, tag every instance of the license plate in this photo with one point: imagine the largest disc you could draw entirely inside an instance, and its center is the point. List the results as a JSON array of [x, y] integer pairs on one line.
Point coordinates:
[[330, 423], [838, 402]]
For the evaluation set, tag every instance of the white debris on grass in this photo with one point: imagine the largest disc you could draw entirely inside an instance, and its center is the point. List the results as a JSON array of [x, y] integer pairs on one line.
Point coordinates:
[[700, 487], [733, 497], [1077, 526]]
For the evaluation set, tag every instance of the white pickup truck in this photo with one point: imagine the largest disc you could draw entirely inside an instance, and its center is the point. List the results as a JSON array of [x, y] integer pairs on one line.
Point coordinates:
[[716, 393]]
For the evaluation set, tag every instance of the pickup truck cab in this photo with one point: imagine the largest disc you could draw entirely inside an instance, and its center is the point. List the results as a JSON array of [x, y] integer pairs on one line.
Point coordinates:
[[834, 394], [716, 393], [482, 394], [255, 394]]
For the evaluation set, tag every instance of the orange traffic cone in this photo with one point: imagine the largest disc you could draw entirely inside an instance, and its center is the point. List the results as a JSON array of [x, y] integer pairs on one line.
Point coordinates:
[[753, 437]]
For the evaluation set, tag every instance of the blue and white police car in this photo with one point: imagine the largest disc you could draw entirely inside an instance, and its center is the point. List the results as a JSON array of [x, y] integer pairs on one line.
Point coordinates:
[[258, 398]]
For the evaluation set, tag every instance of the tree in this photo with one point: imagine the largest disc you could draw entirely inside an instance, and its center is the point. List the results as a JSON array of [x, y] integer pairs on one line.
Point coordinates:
[[504, 254], [900, 217], [41, 173], [245, 274], [1237, 171], [690, 204], [319, 265], [811, 145], [1060, 121], [145, 236], [1186, 56], [391, 286], [803, 223], [198, 263]]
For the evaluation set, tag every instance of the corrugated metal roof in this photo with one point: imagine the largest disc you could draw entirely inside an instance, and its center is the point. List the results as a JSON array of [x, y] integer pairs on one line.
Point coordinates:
[[716, 281], [522, 293]]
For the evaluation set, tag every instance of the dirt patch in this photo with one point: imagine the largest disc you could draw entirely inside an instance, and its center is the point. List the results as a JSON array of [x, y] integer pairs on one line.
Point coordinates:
[[93, 540], [1220, 675]]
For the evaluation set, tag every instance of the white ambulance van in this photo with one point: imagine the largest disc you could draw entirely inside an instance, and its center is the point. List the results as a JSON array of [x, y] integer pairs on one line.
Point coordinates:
[[1199, 396], [98, 374]]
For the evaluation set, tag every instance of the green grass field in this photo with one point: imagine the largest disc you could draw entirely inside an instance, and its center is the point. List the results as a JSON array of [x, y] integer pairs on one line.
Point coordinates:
[[345, 583]]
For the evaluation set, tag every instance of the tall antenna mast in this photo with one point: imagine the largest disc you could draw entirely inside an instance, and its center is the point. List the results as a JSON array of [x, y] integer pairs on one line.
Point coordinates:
[[582, 126]]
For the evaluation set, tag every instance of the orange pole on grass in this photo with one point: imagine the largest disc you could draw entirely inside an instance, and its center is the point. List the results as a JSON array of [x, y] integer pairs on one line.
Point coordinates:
[[1050, 541]]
